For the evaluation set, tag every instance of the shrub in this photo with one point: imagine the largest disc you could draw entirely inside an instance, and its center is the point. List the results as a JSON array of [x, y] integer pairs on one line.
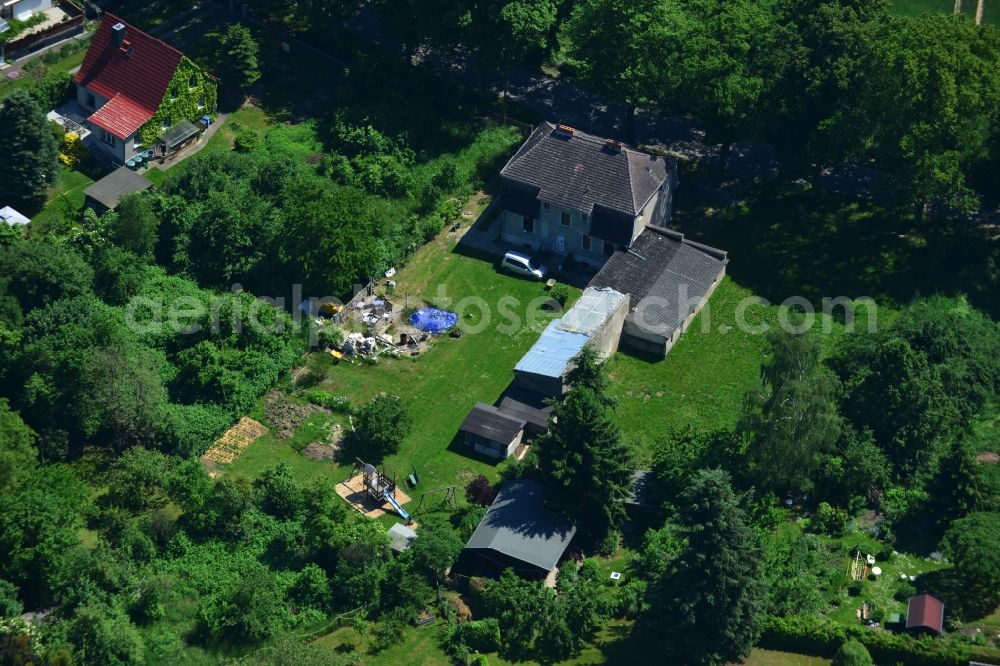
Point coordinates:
[[246, 139], [830, 520], [72, 152], [340, 404], [560, 293], [480, 491], [905, 590], [481, 635], [852, 653]]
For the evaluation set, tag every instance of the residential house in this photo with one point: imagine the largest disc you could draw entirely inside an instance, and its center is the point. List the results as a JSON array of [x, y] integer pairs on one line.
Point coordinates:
[[138, 88], [582, 196]]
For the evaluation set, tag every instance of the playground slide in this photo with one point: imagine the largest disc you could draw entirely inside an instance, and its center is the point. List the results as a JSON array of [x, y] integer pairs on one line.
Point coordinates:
[[395, 505]]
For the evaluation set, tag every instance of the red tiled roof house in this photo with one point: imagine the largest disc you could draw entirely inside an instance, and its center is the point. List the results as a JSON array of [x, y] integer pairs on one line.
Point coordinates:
[[137, 87]]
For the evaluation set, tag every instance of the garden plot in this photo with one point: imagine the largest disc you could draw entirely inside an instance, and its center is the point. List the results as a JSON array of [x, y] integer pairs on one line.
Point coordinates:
[[228, 447]]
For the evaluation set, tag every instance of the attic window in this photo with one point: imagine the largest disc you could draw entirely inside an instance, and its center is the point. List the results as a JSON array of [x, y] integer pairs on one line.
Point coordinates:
[[193, 81]]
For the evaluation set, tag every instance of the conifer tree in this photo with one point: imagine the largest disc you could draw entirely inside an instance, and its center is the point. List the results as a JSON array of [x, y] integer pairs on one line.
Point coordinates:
[[29, 150]]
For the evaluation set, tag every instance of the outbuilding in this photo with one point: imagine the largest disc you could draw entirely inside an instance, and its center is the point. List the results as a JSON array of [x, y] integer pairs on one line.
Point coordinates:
[[518, 532], [925, 615], [491, 432], [12, 218], [107, 193], [596, 319], [401, 537]]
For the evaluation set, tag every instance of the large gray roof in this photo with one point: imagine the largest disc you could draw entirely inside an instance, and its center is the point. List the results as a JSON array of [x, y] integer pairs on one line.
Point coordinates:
[[519, 526], [109, 190], [580, 171], [664, 273]]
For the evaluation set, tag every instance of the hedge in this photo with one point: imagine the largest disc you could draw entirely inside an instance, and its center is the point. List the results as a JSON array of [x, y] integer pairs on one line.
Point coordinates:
[[823, 638], [481, 635]]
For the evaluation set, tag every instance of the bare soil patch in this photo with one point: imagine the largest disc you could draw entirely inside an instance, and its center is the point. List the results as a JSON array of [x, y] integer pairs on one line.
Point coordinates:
[[988, 458], [286, 416], [228, 447]]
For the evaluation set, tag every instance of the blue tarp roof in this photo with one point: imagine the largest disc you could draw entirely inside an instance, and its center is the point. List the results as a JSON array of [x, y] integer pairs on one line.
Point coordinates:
[[553, 351], [432, 320]]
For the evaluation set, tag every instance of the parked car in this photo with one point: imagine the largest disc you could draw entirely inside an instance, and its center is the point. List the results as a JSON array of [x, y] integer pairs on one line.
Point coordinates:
[[521, 264]]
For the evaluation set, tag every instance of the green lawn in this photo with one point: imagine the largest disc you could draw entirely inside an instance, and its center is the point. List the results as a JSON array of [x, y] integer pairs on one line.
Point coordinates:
[[65, 198], [27, 80]]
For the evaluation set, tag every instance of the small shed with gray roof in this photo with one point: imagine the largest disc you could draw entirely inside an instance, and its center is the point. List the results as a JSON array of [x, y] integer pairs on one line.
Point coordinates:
[[492, 432], [107, 193], [669, 279], [520, 533]]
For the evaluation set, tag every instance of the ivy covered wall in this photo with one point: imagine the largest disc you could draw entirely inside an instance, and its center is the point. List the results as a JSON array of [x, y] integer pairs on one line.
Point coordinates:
[[185, 107]]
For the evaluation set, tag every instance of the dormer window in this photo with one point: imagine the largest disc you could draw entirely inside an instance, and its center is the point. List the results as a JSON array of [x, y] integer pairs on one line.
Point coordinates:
[[193, 81]]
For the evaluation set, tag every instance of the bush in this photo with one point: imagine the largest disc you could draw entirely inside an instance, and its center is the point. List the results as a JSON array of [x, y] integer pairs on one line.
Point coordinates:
[[480, 491], [246, 139], [340, 404], [905, 590], [852, 653], [560, 293], [480, 635], [830, 520], [72, 152], [52, 89]]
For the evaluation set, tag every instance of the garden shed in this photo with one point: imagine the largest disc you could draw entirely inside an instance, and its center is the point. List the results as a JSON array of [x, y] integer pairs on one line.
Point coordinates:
[[519, 533], [401, 537], [925, 614], [491, 432], [107, 193], [527, 405], [11, 217]]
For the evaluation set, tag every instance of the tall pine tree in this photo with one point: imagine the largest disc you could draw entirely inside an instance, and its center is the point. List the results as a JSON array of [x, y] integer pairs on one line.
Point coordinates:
[[709, 607], [584, 460], [29, 150]]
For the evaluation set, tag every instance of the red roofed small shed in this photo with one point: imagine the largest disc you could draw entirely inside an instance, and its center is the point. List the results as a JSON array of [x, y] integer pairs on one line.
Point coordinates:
[[925, 614]]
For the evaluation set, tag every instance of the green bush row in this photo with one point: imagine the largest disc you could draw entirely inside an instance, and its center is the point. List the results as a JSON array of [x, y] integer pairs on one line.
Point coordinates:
[[340, 404], [480, 635], [823, 638]]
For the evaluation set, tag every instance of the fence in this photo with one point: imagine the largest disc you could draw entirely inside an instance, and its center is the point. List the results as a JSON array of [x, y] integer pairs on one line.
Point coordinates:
[[36, 40]]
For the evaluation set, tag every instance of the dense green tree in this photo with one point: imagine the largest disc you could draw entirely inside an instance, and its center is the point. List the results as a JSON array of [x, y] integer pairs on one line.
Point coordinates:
[[29, 149], [380, 426], [253, 611], [852, 653], [588, 371], [102, 635], [584, 462], [236, 60], [18, 455], [311, 588], [436, 547], [791, 422], [135, 479], [710, 607], [517, 604], [134, 224], [277, 494], [676, 456], [971, 545], [41, 272]]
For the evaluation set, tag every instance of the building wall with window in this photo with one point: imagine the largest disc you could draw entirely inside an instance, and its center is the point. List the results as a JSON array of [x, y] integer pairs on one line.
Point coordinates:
[[190, 95], [557, 229]]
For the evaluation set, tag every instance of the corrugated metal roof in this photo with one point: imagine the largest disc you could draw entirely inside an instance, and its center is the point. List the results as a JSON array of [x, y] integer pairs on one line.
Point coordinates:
[[552, 353], [518, 525], [593, 309]]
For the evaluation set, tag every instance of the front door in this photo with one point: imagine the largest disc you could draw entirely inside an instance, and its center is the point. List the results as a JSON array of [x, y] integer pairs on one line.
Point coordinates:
[[561, 244]]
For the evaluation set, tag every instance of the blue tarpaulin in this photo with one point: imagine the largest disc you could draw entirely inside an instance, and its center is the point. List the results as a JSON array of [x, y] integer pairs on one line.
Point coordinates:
[[432, 320]]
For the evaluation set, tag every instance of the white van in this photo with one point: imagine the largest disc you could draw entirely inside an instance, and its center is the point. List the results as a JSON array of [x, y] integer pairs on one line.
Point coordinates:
[[520, 264]]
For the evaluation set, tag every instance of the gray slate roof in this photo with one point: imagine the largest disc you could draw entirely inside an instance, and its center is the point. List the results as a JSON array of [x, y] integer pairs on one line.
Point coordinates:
[[580, 172], [526, 405], [489, 422], [518, 525], [662, 272], [108, 191]]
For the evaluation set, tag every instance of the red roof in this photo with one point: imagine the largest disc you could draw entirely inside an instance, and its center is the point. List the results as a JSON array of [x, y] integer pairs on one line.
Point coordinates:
[[925, 612], [134, 77]]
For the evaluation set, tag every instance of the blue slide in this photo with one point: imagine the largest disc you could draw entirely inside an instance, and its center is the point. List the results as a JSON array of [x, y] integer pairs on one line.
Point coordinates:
[[395, 505]]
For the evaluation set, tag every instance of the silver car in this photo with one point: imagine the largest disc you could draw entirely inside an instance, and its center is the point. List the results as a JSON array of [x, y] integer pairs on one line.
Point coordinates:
[[520, 264]]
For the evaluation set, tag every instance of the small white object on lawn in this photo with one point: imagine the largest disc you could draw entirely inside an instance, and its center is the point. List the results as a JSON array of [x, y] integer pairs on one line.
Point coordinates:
[[870, 558], [616, 575], [876, 571]]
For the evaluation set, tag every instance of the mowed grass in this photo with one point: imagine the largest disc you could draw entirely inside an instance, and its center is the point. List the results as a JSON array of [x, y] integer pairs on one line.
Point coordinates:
[[704, 379], [65, 199]]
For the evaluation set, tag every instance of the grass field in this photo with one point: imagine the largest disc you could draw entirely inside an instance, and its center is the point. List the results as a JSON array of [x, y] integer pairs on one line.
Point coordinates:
[[65, 198]]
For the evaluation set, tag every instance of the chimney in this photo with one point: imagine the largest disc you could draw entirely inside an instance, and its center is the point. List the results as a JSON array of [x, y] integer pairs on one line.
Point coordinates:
[[613, 147], [118, 34], [564, 131]]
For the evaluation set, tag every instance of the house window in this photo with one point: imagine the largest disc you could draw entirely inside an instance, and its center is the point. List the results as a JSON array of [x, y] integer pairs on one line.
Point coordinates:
[[91, 102], [193, 81], [586, 242], [173, 93], [527, 224], [136, 140], [201, 101], [107, 137], [546, 204], [565, 219], [609, 249], [166, 122]]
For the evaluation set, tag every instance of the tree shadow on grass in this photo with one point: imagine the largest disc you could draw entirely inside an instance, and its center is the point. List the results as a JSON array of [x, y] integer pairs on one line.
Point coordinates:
[[786, 241]]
